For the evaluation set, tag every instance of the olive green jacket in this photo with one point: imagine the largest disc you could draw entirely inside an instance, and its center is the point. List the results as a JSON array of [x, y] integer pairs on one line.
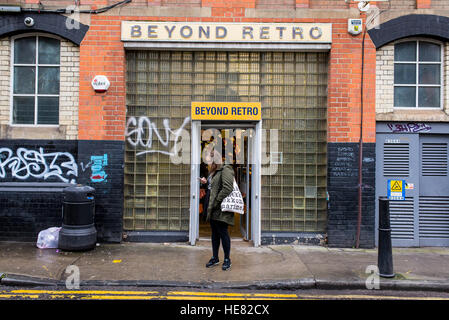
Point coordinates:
[[222, 186]]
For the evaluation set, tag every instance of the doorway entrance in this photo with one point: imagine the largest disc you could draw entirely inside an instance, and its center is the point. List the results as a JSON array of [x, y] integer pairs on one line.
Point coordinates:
[[232, 144], [236, 144]]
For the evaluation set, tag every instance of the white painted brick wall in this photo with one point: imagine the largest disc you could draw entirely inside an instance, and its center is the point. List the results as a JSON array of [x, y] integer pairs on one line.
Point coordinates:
[[384, 79], [5, 53], [446, 78], [69, 86]]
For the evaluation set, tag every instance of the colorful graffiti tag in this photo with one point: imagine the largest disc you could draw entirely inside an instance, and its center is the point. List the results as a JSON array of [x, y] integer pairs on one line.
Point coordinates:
[[24, 164], [97, 167]]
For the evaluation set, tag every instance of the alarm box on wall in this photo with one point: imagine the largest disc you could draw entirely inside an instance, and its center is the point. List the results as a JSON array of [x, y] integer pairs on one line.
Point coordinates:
[[355, 26]]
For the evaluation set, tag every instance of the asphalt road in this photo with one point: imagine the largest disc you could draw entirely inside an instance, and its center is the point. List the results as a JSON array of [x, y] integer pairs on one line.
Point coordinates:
[[170, 293], [188, 303]]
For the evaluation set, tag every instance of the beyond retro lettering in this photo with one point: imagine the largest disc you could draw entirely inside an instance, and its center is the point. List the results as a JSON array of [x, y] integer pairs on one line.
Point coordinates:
[[226, 32]]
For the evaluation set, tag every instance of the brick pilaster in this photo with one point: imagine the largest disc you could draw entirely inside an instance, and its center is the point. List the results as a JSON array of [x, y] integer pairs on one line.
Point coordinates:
[[423, 4], [302, 3]]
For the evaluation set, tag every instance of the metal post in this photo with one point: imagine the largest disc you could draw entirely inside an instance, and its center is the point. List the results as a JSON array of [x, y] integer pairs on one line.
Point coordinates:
[[385, 254]]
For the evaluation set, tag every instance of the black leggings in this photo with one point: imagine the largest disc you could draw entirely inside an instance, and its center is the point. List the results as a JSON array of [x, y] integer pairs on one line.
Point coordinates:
[[220, 232]]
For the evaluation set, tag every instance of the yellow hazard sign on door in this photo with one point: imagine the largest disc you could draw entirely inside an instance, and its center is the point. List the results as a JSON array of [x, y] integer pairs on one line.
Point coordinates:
[[396, 190], [396, 185]]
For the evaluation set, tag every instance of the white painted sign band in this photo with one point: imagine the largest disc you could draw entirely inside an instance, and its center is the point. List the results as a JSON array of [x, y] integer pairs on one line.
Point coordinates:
[[227, 32]]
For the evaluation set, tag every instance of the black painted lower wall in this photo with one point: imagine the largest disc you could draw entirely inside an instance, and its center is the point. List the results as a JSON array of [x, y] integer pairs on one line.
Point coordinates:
[[343, 181], [33, 174]]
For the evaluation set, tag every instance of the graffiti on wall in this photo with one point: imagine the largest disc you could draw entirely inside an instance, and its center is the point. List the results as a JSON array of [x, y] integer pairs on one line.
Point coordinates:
[[97, 164], [24, 164], [139, 132], [411, 127]]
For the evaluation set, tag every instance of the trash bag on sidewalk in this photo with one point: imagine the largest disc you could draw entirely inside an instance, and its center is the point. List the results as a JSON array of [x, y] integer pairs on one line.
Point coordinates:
[[48, 238]]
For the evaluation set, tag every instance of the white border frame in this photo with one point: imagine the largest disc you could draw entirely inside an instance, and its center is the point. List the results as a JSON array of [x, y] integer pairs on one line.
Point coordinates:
[[35, 95], [417, 40]]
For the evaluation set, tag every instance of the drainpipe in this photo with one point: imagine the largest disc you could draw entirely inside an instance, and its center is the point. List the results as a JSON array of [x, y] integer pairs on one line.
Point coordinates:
[[359, 216]]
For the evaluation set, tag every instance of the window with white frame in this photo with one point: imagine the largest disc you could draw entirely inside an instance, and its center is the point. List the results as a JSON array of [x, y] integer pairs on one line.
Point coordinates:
[[35, 80], [417, 74]]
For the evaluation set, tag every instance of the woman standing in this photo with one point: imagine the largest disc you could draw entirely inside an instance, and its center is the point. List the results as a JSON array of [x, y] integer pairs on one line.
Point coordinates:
[[220, 184]]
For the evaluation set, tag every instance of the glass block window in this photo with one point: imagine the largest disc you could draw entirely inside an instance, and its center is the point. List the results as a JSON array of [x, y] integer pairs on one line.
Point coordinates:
[[292, 88], [417, 74], [158, 95], [35, 96]]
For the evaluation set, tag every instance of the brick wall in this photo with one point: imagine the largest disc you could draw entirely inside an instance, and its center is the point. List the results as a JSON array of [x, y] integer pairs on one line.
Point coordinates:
[[69, 88], [328, 4], [385, 79], [400, 4], [343, 167], [446, 77], [440, 4], [176, 3], [344, 94], [275, 4], [313, 4], [5, 79], [424, 4], [68, 93], [302, 3], [102, 115]]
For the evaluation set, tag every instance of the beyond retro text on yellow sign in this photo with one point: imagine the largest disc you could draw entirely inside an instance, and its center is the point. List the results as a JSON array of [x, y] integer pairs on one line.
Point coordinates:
[[227, 32], [243, 111]]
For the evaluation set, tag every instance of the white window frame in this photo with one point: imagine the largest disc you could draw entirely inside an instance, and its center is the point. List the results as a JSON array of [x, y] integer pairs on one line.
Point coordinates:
[[36, 94], [417, 63]]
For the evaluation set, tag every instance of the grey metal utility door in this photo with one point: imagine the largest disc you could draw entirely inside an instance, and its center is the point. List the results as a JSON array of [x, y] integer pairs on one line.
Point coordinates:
[[398, 159], [434, 191], [422, 219]]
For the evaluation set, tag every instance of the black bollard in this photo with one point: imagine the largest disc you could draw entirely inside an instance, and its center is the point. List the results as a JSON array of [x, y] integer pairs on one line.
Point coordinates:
[[385, 253]]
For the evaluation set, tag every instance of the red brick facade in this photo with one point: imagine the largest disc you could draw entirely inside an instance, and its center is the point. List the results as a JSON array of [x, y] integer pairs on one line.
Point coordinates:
[[423, 4], [102, 116]]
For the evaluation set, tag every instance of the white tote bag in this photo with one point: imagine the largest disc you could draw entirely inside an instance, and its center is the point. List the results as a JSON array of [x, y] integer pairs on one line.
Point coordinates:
[[233, 202]]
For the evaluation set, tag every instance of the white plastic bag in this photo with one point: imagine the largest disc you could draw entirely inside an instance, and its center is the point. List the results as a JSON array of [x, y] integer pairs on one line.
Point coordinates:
[[48, 238]]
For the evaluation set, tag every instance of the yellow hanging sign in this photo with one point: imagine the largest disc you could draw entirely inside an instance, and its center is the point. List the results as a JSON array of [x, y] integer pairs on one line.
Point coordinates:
[[234, 111]]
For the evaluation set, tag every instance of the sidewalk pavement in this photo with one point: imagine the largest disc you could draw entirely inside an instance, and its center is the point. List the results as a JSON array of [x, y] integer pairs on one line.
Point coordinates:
[[182, 265]]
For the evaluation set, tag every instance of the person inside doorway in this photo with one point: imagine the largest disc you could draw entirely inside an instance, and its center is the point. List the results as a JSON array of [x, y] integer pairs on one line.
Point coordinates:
[[220, 184]]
